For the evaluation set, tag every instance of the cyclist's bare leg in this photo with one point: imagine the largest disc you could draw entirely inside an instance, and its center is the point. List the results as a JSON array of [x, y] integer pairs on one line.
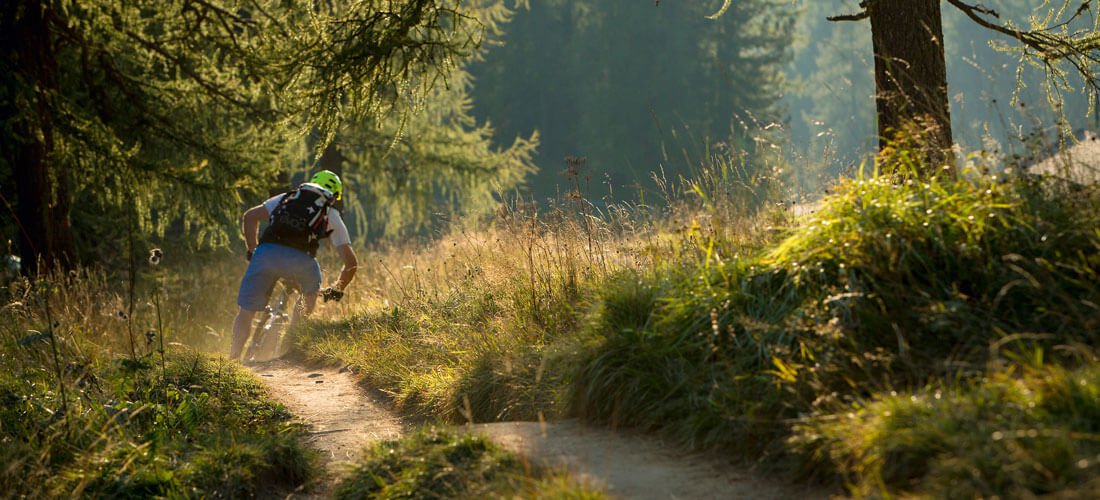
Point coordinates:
[[309, 301], [298, 310], [242, 328]]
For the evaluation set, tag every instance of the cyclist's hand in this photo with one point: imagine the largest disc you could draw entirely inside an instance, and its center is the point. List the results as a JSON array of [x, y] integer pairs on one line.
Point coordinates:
[[332, 294], [248, 256]]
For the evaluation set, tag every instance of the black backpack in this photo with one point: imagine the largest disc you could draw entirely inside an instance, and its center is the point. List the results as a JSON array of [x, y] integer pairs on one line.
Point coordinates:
[[300, 220]]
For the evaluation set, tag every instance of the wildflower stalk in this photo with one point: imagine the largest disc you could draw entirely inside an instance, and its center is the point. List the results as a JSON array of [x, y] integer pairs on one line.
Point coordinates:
[[154, 259], [133, 283], [160, 337], [56, 352]]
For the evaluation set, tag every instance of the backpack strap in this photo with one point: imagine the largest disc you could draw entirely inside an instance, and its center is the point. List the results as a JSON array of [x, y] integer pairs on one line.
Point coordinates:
[[282, 201], [310, 229]]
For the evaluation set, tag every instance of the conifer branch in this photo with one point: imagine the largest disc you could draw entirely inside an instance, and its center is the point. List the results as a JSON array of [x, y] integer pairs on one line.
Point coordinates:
[[850, 17], [859, 16], [1080, 52], [1042, 41]]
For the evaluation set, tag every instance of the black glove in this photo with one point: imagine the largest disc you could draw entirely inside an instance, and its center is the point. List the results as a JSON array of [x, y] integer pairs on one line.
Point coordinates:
[[248, 256], [332, 294]]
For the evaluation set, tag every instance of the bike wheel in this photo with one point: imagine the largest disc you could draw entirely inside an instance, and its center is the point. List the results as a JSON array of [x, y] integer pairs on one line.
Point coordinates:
[[259, 332], [265, 351]]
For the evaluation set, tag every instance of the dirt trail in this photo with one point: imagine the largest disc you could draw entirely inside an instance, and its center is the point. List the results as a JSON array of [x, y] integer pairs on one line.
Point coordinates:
[[636, 466], [345, 419]]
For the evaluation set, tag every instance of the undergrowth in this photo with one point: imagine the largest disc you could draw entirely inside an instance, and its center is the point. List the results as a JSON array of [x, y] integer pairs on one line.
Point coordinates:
[[741, 330], [891, 286], [1010, 434], [89, 410], [434, 463], [207, 430]]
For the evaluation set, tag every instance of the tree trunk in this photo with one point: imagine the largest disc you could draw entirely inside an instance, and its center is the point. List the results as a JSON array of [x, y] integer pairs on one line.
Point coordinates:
[[911, 75], [46, 237]]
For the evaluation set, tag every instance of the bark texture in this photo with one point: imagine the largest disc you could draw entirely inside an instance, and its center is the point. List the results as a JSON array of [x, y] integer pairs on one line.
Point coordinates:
[[45, 234], [911, 72]]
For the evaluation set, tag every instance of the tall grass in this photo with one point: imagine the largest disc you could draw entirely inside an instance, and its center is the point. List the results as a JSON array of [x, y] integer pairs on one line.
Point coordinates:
[[483, 325], [474, 312], [1009, 434], [83, 415], [730, 325]]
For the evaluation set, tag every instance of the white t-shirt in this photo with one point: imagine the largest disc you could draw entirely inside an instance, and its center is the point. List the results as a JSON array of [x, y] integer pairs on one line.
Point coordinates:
[[339, 236]]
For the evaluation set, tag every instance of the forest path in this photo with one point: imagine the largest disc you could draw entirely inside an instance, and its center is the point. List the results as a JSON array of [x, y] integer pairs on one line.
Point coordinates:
[[342, 417], [345, 419], [634, 466]]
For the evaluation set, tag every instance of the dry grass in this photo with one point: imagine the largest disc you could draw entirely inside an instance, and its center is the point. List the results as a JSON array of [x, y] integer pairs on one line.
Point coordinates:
[[476, 324]]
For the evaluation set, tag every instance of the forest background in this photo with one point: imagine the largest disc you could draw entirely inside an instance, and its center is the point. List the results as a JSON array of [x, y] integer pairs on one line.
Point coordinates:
[[629, 89], [644, 94]]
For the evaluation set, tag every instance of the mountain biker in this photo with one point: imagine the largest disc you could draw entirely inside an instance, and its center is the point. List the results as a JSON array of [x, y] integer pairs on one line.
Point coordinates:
[[298, 220]]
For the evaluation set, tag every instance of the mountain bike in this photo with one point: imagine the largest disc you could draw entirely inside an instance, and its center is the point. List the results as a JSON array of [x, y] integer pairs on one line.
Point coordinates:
[[272, 321], [268, 340]]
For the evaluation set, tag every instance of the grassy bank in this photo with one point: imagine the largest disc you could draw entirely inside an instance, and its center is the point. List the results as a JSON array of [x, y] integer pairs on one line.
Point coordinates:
[[95, 401], [872, 340], [435, 463], [1012, 433]]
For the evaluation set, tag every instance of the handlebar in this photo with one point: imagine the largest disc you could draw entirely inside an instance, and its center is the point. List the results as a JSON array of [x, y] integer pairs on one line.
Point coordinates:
[[332, 294]]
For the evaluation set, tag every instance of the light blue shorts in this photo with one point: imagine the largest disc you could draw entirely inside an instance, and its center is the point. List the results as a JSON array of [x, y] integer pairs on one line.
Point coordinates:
[[270, 263]]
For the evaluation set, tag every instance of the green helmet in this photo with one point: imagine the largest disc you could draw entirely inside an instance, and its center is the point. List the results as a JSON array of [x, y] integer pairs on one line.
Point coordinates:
[[330, 181]]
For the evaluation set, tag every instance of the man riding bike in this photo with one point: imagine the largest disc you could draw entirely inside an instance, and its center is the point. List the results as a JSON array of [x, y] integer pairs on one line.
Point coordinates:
[[298, 220]]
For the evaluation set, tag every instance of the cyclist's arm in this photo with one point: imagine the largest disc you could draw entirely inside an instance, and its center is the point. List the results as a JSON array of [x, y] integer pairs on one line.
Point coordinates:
[[250, 223], [351, 263], [341, 242]]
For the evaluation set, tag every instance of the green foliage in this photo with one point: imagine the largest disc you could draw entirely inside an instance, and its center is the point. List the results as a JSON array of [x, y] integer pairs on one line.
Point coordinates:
[[207, 430], [441, 464], [949, 258], [1005, 435], [79, 419], [173, 115], [889, 285], [692, 360]]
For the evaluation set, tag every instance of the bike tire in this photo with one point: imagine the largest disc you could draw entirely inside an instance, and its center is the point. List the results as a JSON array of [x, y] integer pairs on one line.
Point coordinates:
[[266, 350], [268, 331], [258, 334]]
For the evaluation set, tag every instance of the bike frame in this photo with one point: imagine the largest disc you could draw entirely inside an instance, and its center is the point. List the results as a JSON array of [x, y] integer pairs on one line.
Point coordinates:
[[269, 329]]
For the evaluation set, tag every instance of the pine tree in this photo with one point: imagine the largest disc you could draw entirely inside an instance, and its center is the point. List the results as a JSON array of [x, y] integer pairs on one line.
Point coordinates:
[[167, 112], [429, 163], [634, 88]]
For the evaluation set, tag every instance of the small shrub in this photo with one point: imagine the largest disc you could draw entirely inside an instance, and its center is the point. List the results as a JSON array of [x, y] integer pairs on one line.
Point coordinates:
[[1006, 435], [434, 463]]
